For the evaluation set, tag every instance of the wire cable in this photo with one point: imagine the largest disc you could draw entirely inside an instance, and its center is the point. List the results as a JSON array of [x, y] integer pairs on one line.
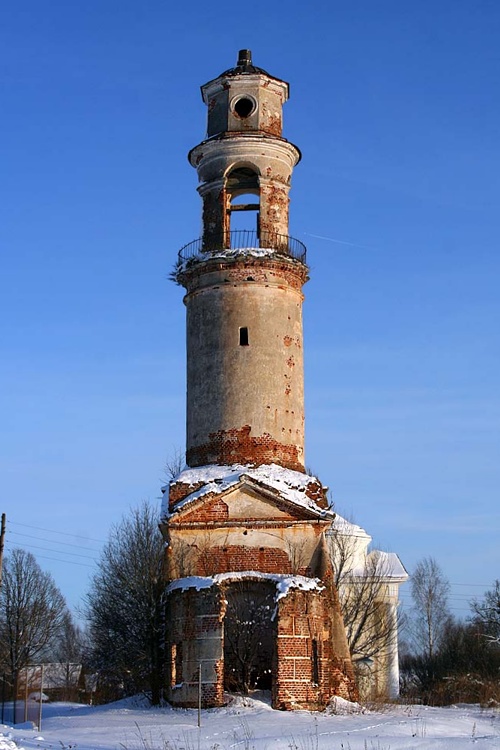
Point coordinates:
[[53, 531]]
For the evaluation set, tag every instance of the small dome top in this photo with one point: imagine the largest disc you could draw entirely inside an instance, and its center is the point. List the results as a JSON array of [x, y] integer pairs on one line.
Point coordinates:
[[245, 65]]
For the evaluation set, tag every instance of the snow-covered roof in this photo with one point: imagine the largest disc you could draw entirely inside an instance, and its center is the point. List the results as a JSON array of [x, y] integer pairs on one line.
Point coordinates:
[[284, 583], [383, 565], [341, 525], [292, 485], [388, 564]]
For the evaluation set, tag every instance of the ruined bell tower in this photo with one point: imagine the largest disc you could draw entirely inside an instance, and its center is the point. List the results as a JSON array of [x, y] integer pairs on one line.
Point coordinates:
[[247, 557], [245, 385]]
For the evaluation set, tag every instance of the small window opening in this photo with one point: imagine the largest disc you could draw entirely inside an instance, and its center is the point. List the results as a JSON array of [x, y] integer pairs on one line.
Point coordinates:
[[243, 336], [244, 107], [315, 663]]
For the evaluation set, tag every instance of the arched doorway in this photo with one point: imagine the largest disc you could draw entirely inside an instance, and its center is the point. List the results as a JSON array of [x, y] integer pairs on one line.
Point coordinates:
[[250, 631]]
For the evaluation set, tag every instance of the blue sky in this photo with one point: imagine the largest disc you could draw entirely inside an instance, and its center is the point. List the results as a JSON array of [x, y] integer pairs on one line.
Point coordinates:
[[395, 108]]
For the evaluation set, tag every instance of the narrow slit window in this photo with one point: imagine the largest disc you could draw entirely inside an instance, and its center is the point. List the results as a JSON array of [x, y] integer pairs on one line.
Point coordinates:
[[315, 663], [244, 336], [176, 662]]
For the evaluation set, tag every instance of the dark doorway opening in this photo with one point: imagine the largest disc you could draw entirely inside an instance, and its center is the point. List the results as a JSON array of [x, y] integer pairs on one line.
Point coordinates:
[[249, 636]]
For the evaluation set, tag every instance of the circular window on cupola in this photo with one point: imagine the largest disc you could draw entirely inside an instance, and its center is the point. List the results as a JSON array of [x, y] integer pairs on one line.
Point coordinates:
[[243, 106]]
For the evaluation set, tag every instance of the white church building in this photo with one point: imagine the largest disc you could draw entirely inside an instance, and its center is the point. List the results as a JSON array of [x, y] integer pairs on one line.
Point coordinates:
[[368, 583]]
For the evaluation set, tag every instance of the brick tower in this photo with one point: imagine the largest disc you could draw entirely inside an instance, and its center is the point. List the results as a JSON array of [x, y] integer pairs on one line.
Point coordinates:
[[245, 392], [251, 599]]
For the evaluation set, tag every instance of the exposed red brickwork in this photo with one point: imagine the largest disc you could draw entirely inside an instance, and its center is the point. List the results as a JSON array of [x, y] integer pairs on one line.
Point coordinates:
[[310, 672], [237, 446], [274, 207], [238, 558], [267, 269], [217, 511], [199, 516], [179, 490], [274, 125], [317, 492], [214, 509]]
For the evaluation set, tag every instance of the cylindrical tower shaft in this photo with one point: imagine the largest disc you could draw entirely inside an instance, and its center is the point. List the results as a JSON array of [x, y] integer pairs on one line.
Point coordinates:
[[245, 384]]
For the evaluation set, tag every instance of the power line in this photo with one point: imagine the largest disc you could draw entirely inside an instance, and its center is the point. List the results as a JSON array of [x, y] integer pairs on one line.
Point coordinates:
[[403, 593], [53, 531], [50, 541], [482, 585], [452, 597], [58, 552], [68, 562]]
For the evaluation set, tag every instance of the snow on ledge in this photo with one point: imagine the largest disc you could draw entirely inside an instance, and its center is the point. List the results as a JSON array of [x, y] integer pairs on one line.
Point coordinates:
[[292, 485], [233, 252], [284, 583]]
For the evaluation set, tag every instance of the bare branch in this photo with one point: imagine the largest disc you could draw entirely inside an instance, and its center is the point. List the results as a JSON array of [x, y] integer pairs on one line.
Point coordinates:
[[125, 605], [32, 612]]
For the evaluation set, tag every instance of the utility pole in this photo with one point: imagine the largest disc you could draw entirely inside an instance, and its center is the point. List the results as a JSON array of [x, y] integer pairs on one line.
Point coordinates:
[[2, 541]]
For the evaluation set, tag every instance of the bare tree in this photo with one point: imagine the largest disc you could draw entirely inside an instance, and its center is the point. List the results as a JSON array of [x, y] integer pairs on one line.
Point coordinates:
[[249, 635], [125, 607], [32, 612], [361, 584], [430, 613], [71, 644], [486, 613], [369, 630], [181, 560], [464, 669], [69, 653], [174, 464], [297, 556]]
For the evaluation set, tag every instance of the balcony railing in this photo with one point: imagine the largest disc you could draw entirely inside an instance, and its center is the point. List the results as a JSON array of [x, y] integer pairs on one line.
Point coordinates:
[[242, 239]]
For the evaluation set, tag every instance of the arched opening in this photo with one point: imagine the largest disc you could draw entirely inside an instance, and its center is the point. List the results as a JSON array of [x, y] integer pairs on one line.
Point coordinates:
[[243, 207], [249, 636], [244, 214]]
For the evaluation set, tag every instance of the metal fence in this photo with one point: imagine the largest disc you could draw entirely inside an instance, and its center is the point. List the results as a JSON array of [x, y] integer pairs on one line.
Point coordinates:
[[242, 239]]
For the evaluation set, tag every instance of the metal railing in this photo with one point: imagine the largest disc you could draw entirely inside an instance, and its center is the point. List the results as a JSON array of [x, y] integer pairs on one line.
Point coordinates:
[[242, 239]]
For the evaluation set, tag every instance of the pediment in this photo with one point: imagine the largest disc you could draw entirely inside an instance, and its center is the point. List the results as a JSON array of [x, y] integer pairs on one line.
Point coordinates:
[[247, 500]]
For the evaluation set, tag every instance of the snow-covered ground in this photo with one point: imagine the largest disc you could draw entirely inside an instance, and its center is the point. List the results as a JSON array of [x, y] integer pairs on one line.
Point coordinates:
[[249, 724]]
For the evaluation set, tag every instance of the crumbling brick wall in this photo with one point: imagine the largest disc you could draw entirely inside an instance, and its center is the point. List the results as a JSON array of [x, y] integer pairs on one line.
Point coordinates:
[[194, 639], [311, 666]]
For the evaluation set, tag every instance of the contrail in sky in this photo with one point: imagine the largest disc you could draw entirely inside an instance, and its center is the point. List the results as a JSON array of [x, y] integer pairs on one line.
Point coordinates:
[[338, 242]]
